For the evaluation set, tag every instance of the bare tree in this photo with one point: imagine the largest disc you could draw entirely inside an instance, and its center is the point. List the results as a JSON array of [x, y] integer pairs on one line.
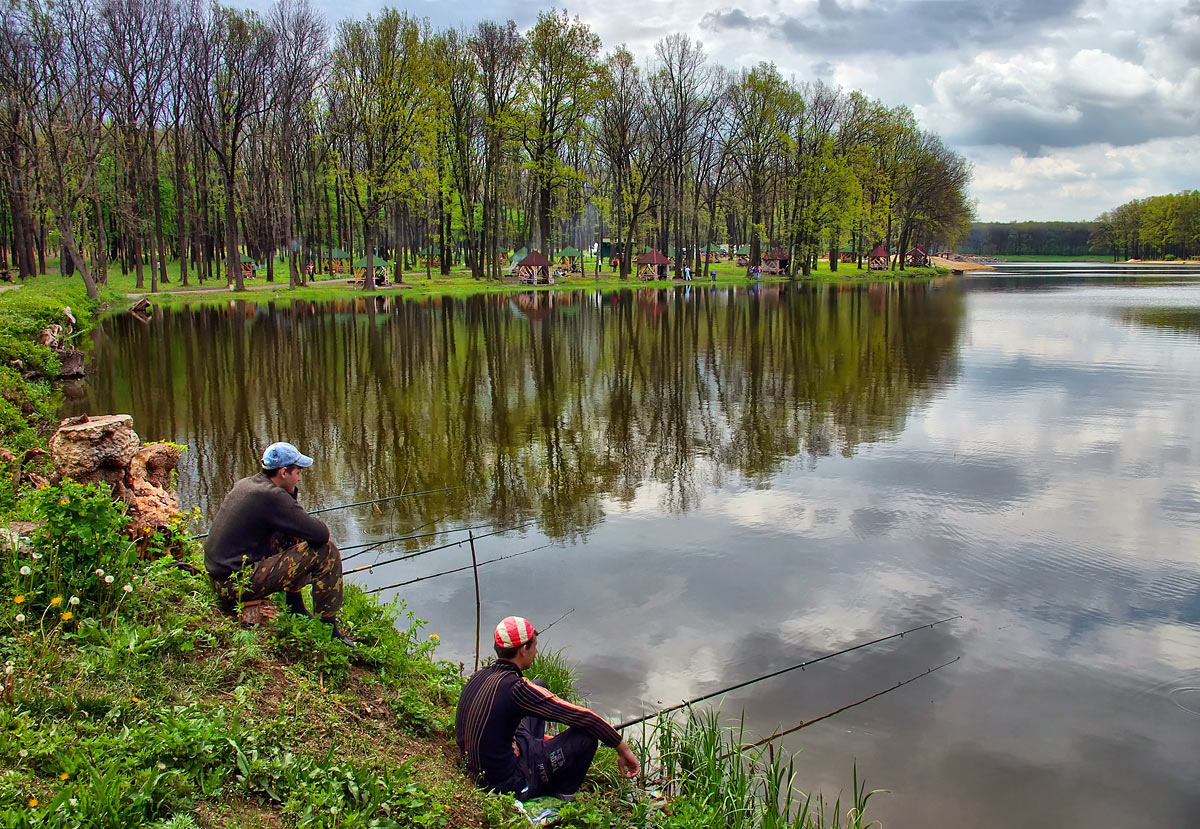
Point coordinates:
[[459, 77], [498, 57], [231, 54], [300, 67], [45, 65]]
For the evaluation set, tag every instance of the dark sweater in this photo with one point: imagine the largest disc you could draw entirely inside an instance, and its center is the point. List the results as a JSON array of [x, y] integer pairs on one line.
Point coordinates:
[[491, 707], [252, 511]]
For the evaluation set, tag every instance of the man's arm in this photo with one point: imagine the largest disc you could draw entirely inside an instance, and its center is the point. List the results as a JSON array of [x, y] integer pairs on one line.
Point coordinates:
[[541, 703], [291, 519]]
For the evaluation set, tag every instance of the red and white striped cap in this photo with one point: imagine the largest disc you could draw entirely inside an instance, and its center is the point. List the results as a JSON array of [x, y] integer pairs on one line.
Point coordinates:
[[514, 631]]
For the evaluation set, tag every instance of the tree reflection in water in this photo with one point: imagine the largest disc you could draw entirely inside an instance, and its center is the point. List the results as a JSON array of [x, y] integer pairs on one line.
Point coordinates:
[[542, 405]]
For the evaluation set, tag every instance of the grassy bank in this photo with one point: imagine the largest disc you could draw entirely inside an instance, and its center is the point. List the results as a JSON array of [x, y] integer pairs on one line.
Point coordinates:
[[129, 698], [459, 282]]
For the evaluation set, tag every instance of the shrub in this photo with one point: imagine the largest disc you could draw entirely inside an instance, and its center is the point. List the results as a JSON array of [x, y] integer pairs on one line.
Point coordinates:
[[76, 556]]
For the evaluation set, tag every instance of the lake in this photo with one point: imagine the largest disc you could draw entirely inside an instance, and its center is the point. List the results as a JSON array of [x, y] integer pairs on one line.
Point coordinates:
[[722, 483]]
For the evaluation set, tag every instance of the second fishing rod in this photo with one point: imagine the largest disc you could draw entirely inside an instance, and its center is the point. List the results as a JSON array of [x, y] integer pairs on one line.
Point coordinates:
[[798, 666]]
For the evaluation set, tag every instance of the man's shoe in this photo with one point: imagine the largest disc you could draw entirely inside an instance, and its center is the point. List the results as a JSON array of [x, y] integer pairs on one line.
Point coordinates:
[[336, 633], [295, 603]]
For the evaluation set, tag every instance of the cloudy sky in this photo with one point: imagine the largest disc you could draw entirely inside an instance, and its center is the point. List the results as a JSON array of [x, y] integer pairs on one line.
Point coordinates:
[[1066, 107]]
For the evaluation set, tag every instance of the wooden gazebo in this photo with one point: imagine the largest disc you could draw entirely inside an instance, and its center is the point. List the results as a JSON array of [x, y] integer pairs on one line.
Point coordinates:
[[776, 261], [916, 258], [378, 262], [878, 260], [649, 264], [569, 255], [534, 269], [338, 260]]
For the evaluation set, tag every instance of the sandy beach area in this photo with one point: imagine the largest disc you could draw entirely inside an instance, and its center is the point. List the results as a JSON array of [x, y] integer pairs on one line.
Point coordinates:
[[956, 265]]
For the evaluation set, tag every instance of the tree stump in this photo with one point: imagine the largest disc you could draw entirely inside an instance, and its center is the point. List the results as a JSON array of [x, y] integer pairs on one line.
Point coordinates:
[[90, 449]]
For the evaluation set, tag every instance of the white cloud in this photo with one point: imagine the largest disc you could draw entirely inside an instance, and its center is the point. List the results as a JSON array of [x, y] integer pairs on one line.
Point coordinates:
[[1078, 183]]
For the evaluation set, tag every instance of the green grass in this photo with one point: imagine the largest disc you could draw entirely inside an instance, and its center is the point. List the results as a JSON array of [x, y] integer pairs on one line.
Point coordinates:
[[459, 282]]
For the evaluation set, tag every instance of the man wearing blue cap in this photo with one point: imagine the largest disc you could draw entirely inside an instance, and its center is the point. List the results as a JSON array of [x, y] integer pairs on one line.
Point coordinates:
[[261, 526]]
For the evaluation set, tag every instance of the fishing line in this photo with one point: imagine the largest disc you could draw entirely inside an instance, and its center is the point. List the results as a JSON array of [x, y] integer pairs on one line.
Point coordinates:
[[371, 545], [837, 711], [800, 666], [407, 556], [457, 569], [385, 498]]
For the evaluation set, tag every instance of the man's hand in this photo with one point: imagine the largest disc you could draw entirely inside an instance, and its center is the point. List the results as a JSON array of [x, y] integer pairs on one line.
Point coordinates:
[[627, 761]]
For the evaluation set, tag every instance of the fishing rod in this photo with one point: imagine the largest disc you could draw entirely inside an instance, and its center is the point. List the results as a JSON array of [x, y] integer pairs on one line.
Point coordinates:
[[433, 549], [801, 666], [835, 712], [371, 501], [555, 622], [456, 570], [371, 545], [385, 498]]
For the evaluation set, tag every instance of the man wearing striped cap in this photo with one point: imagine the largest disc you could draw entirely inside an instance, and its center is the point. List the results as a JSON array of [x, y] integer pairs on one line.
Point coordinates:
[[501, 725]]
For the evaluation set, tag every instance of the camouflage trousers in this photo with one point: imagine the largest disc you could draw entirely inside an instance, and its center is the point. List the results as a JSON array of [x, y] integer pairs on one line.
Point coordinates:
[[291, 565]]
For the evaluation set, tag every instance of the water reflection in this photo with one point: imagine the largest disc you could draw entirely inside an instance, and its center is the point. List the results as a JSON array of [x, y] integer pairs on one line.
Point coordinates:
[[538, 404], [736, 481]]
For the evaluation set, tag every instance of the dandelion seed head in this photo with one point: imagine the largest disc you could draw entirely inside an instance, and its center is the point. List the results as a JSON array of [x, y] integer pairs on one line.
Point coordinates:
[[25, 571], [109, 579]]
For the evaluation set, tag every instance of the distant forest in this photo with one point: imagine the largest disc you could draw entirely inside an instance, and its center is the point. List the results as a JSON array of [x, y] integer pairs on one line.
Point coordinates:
[[1031, 238], [1158, 227]]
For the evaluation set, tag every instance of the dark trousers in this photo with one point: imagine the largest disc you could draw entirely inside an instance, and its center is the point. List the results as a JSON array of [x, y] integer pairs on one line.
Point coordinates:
[[554, 766]]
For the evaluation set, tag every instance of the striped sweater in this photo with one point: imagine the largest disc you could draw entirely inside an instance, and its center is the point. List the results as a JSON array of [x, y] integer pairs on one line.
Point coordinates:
[[491, 707]]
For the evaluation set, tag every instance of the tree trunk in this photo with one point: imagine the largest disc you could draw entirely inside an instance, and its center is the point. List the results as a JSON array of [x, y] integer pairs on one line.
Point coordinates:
[[72, 248], [233, 259]]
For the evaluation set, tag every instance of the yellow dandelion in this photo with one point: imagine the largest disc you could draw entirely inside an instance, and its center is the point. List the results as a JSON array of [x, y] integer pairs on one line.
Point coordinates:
[[68, 616], [62, 502], [64, 776], [18, 600], [135, 699], [32, 802], [56, 601]]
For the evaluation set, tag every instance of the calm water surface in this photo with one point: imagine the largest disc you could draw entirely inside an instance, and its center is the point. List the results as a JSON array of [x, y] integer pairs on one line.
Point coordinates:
[[733, 482]]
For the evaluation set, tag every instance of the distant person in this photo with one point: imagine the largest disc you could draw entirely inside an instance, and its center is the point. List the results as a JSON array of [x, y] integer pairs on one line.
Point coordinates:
[[500, 726], [687, 273], [261, 528]]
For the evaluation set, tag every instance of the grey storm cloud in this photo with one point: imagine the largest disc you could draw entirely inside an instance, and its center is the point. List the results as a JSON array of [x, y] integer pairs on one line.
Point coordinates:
[[1120, 126], [896, 27]]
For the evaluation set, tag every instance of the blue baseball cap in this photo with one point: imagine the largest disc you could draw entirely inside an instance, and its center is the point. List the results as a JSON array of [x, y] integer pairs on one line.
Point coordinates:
[[279, 455]]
